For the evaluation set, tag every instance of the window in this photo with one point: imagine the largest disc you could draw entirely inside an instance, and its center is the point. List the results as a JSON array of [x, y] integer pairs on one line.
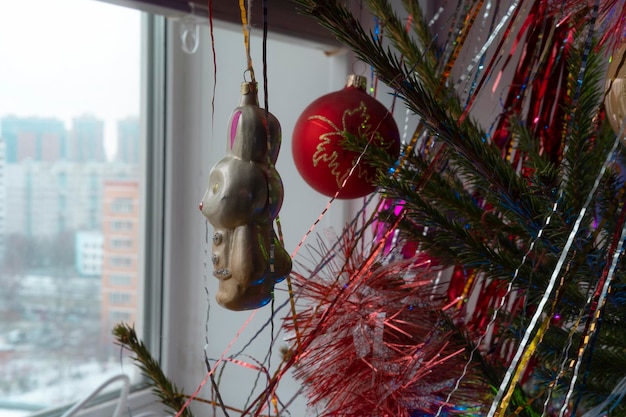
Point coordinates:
[[122, 205], [121, 243], [119, 280], [121, 262], [121, 316], [117, 298], [73, 140], [121, 225]]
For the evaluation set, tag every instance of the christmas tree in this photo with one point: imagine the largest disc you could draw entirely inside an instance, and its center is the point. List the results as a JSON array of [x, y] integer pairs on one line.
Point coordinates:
[[490, 279], [527, 209]]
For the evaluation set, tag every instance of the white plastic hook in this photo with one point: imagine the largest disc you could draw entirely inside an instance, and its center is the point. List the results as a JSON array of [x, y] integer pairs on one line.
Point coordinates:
[[190, 31]]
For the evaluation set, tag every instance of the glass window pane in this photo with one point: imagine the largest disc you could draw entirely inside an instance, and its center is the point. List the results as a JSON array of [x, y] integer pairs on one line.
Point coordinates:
[[70, 243]]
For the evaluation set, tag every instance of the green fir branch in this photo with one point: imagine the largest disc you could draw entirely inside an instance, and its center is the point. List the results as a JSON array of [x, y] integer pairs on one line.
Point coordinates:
[[165, 389], [584, 150], [421, 58]]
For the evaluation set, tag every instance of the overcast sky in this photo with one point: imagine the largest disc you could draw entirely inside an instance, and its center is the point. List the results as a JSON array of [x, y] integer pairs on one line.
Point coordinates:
[[64, 58]]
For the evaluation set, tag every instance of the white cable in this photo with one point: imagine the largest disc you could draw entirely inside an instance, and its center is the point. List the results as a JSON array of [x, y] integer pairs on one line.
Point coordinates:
[[121, 403], [151, 414]]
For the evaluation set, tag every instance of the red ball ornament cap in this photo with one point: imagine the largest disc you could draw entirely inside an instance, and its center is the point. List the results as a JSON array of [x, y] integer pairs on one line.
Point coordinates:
[[357, 81], [318, 154]]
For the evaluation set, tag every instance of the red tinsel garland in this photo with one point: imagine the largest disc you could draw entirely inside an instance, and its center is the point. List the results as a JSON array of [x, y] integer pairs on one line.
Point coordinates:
[[378, 344]]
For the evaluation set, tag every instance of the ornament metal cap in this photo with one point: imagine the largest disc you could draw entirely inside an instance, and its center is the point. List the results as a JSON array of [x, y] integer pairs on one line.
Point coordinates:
[[249, 93], [356, 81], [248, 87]]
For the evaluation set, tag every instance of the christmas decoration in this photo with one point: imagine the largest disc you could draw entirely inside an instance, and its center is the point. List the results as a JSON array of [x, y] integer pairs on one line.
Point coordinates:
[[519, 201], [517, 210], [319, 131], [243, 198], [378, 339], [615, 100]]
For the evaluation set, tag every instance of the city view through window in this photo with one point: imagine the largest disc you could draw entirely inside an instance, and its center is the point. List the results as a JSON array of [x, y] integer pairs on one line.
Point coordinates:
[[70, 186]]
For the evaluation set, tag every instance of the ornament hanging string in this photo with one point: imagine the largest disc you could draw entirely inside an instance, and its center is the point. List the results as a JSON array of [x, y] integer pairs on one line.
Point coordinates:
[[270, 164], [206, 248], [245, 26], [264, 51], [214, 63]]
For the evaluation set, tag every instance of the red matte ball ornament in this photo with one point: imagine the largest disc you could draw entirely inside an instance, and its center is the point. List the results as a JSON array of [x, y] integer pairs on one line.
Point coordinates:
[[317, 151]]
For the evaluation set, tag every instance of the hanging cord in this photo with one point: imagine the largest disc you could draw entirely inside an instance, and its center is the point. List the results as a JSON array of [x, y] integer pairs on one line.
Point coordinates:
[[214, 63], [245, 26], [270, 193]]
